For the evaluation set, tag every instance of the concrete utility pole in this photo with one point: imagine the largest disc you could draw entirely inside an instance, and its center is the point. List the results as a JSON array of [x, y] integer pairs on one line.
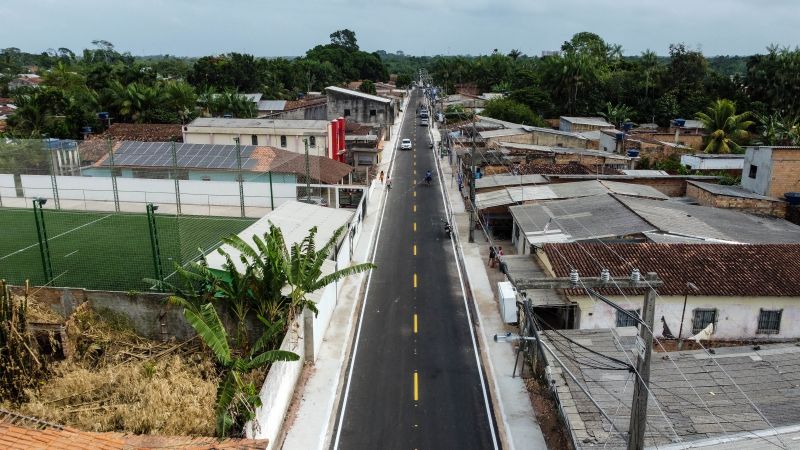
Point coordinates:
[[472, 207], [641, 389]]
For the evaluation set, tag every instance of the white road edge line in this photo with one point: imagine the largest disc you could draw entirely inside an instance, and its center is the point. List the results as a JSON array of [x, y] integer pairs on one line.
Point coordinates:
[[489, 414], [340, 421]]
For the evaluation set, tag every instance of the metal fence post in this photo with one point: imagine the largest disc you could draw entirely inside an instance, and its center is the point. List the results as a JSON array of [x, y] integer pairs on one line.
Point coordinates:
[[154, 245], [53, 179], [41, 233], [113, 176], [239, 174], [271, 194], [177, 180]]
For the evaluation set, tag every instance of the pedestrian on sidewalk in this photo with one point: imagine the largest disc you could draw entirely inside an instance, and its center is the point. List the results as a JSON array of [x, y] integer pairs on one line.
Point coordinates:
[[381, 177], [388, 183], [492, 255], [498, 258]]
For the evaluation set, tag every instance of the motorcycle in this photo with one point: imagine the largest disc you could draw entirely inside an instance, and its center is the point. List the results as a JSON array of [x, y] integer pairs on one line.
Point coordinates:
[[447, 229]]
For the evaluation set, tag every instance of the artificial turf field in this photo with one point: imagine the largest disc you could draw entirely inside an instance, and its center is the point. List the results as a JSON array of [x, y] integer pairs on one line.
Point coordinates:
[[108, 251]]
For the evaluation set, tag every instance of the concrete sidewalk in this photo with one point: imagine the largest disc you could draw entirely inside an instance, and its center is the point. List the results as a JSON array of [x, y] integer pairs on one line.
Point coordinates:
[[313, 413], [518, 426]]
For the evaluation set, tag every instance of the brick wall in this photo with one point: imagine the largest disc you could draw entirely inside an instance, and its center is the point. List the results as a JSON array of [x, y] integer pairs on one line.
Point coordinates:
[[785, 176], [751, 205], [672, 187], [548, 139]]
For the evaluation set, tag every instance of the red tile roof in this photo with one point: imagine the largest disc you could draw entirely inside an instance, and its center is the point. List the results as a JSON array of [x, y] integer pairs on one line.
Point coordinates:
[[728, 270], [143, 132]]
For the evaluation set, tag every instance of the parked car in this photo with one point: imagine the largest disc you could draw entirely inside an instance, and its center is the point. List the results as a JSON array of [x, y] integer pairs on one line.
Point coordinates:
[[423, 122], [405, 144]]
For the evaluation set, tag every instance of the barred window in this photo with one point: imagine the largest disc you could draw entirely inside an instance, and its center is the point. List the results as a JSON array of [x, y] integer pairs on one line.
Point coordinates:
[[769, 321], [702, 318], [283, 141], [312, 141], [624, 320]]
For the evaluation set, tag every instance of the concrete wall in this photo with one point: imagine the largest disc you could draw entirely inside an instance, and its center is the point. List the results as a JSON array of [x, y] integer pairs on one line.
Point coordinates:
[[699, 163], [548, 139], [268, 137], [760, 157], [7, 188], [737, 316], [774, 208], [316, 112]]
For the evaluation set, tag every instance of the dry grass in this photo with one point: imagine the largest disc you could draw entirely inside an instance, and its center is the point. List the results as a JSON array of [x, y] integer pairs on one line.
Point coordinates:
[[114, 380]]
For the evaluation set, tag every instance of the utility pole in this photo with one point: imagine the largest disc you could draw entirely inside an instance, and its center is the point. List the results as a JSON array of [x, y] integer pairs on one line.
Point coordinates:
[[641, 389], [472, 211], [308, 174]]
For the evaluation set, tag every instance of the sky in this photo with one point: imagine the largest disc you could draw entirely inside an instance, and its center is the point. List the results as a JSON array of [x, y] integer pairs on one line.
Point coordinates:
[[418, 27]]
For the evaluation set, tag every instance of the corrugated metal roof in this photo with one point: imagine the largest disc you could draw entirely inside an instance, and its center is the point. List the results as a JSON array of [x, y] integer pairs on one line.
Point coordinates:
[[564, 150], [731, 191], [508, 180], [295, 220], [598, 216], [645, 173], [272, 105], [344, 91], [633, 189], [596, 121], [221, 122], [705, 222]]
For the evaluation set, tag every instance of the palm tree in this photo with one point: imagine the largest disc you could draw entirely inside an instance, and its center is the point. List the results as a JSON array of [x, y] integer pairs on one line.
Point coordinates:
[[181, 99], [778, 129], [304, 269], [726, 129], [237, 399]]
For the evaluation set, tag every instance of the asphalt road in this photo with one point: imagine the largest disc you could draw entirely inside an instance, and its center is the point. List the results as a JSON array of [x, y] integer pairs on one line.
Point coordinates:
[[416, 382]]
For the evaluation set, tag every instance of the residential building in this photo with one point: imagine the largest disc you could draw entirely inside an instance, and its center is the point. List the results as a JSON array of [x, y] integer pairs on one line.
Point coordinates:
[[537, 136], [721, 399], [362, 108], [564, 155], [708, 162], [771, 171], [578, 124], [25, 80], [745, 291], [289, 135], [311, 107]]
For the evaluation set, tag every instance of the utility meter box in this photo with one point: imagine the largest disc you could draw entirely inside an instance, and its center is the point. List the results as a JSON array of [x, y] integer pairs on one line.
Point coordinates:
[[507, 301]]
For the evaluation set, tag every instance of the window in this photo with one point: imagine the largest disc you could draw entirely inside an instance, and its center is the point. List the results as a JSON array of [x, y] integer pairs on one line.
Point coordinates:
[[703, 317], [346, 112], [753, 171], [312, 141], [373, 113], [624, 320], [283, 141], [254, 139], [769, 321]]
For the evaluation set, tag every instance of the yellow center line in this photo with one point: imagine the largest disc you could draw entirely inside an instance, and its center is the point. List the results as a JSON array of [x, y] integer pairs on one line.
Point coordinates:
[[415, 227], [416, 386], [415, 249], [415, 281], [416, 327], [415, 193], [415, 208]]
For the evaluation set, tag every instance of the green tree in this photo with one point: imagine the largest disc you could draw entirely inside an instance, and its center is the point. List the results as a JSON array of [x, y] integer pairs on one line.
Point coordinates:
[[778, 129], [345, 39], [512, 111], [368, 87], [726, 128], [616, 114]]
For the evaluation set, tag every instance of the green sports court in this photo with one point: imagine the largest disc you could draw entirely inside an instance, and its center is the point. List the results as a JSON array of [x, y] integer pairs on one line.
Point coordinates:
[[105, 250]]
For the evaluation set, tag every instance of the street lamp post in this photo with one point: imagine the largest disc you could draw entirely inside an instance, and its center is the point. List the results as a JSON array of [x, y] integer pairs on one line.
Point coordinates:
[[692, 286], [41, 233]]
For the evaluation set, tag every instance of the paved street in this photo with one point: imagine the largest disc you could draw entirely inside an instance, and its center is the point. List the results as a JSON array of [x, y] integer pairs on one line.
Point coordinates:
[[414, 380]]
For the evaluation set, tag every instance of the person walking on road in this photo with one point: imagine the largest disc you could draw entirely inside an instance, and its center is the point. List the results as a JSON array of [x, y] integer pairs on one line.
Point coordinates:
[[498, 256], [381, 177], [492, 255]]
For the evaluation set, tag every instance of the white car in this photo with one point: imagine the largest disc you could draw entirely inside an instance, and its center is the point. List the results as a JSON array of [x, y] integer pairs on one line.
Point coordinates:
[[405, 144]]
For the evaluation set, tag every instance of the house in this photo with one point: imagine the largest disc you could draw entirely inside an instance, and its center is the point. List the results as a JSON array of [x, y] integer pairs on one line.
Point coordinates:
[[670, 185], [215, 162], [7, 108], [771, 171], [578, 124], [289, 135], [721, 399], [362, 108], [564, 155], [537, 136], [25, 80], [594, 217], [364, 145], [746, 291], [708, 162]]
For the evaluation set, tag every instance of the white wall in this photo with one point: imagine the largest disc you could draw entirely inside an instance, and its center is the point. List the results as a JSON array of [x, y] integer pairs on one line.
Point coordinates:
[[7, 186], [737, 316], [699, 163]]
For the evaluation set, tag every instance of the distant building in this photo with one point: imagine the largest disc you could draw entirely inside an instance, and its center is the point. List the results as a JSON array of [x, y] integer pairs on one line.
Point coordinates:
[[361, 108], [707, 162], [578, 124], [24, 80], [287, 135]]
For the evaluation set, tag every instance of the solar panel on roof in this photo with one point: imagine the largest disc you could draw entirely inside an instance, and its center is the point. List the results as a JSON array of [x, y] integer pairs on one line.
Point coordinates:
[[159, 154]]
